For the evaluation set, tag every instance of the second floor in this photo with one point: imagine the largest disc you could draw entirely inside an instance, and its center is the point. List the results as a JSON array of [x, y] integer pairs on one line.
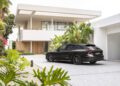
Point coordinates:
[[51, 18]]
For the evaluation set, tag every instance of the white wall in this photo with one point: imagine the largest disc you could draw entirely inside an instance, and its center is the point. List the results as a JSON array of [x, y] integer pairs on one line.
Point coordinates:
[[39, 35], [100, 40]]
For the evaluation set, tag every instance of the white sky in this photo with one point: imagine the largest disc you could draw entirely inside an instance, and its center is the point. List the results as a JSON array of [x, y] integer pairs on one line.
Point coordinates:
[[107, 7]]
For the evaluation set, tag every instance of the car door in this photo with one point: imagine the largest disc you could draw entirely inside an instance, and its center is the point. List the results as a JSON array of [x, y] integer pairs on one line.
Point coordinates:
[[61, 54]]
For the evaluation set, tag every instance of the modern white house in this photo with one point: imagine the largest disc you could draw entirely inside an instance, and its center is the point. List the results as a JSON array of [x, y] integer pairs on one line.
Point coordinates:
[[39, 24], [107, 36]]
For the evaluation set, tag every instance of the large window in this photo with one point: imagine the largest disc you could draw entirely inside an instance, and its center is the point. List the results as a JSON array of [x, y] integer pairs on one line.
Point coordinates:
[[46, 25]]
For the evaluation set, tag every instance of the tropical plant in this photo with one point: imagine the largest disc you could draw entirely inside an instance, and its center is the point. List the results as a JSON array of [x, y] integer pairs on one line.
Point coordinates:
[[9, 23], [56, 42], [52, 77], [2, 27], [13, 58], [86, 31], [4, 5], [11, 66], [8, 74], [74, 34], [31, 83]]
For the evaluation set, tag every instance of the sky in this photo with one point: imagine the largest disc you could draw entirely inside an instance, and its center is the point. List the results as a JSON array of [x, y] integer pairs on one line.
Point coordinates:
[[107, 7]]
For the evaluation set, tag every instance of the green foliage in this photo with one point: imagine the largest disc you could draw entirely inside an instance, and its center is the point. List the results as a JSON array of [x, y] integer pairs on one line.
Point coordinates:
[[13, 58], [2, 27], [52, 77], [56, 42], [8, 74], [75, 34], [9, 20], [31, 83], [13, 45], [11, 66], [4, 3]]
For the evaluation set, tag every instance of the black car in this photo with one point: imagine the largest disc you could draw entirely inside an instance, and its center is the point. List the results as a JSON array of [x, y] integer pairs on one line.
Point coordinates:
[[77, 54]]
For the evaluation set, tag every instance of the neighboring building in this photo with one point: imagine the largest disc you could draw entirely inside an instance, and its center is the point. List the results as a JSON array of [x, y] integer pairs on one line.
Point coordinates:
[[39, 24], [107, 36]]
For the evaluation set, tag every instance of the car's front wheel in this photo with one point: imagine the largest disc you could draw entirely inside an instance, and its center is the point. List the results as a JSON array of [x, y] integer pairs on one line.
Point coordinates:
[[50, 58], [93, 62], [77, 59]]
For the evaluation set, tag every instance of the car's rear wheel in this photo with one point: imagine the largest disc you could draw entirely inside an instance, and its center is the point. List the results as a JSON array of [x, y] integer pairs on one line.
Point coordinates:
[[50, 58], [93, 62], [77, 59]]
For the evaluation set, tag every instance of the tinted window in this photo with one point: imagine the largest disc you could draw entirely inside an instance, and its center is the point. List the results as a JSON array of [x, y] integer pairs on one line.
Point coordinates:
[[71, 47]]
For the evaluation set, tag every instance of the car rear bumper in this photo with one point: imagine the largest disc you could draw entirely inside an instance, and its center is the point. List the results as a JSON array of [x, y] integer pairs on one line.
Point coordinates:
[[88, 59]]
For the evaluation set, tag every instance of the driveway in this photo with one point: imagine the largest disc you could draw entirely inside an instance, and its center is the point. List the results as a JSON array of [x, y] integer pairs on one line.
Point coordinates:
[[104, 73]]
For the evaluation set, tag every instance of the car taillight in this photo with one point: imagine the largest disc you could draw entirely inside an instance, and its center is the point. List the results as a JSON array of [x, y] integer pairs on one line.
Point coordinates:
[[90, 55]]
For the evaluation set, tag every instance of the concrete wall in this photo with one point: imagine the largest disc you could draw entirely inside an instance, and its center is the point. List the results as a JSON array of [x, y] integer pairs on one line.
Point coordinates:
[[36, 24], [39, 35], [100, 39]]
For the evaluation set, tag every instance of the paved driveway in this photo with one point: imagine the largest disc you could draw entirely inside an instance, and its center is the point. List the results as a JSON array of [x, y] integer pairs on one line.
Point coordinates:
[[104, 73]]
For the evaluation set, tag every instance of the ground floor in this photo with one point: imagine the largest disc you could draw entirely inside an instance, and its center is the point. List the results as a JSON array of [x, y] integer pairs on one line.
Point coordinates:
[[35, 47], [104, 73]]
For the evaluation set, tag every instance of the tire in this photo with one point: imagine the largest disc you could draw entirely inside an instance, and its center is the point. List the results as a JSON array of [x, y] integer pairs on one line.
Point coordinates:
[[50, 58], [77, 60], [93, 62]]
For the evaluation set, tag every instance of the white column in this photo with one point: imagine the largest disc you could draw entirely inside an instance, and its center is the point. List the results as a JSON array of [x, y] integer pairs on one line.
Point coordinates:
[[31, 47], [52, 24], [31, 22], [31, 29]]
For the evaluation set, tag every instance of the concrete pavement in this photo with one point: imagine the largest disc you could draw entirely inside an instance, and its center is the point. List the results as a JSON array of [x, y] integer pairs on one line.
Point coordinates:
[[104, 73]]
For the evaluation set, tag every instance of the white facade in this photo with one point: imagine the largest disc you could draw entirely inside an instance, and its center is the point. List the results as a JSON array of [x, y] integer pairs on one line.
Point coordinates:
[[107, 36], [39, 24], [38, 35], [30, 17]]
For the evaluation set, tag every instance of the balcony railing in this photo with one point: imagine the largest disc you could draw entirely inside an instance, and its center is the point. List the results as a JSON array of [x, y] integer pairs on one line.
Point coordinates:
[[38, 35]]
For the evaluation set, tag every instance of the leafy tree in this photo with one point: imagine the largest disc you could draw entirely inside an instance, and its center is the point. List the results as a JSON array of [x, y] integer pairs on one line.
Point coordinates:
[[5, 27], [56, 42], [9, 21], [4, 5], [74, 34], [2, 28], [52, 77]]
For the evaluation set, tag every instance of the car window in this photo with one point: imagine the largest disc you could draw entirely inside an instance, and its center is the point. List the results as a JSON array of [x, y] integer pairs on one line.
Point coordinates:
[[72, 47], [63, 47]]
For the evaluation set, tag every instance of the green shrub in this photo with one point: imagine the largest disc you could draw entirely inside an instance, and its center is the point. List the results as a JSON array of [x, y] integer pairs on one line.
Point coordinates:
[[11, 66], [52, 77]]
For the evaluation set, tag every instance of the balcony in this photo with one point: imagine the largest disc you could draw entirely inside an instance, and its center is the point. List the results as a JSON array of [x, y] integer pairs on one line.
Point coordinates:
[[38, 35]]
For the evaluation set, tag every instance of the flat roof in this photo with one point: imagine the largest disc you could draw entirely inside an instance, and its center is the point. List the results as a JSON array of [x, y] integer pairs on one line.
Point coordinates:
[[109, 21], [76, 14]]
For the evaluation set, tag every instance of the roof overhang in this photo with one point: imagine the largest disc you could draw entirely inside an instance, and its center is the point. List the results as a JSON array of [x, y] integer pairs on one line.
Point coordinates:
[[108, 22], [24, 12]]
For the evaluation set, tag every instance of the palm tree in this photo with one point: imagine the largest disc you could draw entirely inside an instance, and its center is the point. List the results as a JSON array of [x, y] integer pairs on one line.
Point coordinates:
[[72, 35], [86, 31]]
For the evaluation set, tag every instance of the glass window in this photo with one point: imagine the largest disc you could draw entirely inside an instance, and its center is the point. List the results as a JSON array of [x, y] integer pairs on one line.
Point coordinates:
[[45, 25]]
